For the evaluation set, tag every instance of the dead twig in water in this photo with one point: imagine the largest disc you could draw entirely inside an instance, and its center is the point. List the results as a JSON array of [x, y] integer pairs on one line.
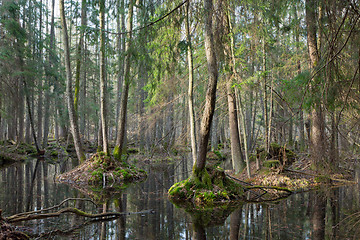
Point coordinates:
[[103, 216]]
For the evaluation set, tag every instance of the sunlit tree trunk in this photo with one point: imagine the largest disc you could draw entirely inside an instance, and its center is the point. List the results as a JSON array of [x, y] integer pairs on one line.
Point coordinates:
[[210, 97], [103, 100], [49, 68], [190, 88], [69, 95]]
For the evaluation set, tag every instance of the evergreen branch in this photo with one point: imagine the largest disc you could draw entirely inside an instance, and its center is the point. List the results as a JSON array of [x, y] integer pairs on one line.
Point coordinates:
[[150, 23]]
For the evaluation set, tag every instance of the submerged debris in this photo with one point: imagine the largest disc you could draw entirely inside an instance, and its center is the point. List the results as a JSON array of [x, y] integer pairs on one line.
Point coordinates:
[[8, 231]]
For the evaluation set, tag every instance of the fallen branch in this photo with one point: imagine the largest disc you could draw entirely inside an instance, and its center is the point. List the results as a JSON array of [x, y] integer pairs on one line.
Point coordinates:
[[13, 219], [234, 178], [318, 175], [269, 187], [53, 207]]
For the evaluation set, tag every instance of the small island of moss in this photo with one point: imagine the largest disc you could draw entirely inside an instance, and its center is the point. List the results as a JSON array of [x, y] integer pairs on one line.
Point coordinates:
[[216, 188], [103, 170]]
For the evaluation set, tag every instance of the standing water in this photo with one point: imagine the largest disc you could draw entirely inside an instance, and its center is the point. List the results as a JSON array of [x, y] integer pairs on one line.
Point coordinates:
[[330, 214]]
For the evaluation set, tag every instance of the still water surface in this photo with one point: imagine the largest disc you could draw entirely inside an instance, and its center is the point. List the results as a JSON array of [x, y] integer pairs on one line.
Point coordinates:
[[312, 215]]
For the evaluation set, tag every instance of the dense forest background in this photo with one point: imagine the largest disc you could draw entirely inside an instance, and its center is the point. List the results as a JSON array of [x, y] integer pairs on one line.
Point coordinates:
[[135, 73]]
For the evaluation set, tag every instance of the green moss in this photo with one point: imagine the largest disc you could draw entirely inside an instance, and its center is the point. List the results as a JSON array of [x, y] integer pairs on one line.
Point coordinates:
[[220, 189], [252, 158], [54, 153], [322, 179], [219, 155], [98, 149], [271, 163], [97, 175], [201, 178], [205, 197], [117, 153], [224, 194]]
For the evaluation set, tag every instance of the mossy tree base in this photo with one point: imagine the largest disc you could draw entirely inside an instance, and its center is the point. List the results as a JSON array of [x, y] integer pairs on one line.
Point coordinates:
[[283, 155], [206, 188], [103, 170]]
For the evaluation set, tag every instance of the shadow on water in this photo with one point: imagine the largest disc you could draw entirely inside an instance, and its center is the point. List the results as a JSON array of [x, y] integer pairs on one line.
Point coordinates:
[[330, 214]]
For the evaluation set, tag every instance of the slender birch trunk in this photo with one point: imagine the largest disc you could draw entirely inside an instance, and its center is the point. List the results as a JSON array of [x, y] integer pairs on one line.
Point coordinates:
[[103, 100], [190, 88]]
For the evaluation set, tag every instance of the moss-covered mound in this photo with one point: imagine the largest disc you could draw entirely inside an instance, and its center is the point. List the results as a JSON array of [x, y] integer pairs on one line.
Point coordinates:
[[11, 152], [103, 170], [214, 188], [281, 154]]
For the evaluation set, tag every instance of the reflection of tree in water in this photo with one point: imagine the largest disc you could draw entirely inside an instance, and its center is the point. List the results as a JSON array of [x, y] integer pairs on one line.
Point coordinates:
[[209, 217], [318, 205]]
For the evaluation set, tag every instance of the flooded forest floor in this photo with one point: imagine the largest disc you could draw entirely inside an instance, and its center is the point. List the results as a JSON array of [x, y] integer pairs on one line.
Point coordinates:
[[274, 175]]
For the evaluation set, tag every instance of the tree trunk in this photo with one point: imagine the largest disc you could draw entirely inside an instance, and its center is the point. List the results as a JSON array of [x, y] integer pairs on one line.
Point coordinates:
[[49, 68], [317, 128], [245, 137], [69, 95], [20, 134], [210, 97], [236, 153], [120, 140], [79, 55], [40, 80], [120, 25], [301, 112], [266, 113], [190, 89], [103, 100]]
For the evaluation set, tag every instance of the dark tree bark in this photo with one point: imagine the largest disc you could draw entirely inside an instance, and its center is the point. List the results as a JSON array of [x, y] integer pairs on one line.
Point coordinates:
[[318, 216], [317, 116]]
